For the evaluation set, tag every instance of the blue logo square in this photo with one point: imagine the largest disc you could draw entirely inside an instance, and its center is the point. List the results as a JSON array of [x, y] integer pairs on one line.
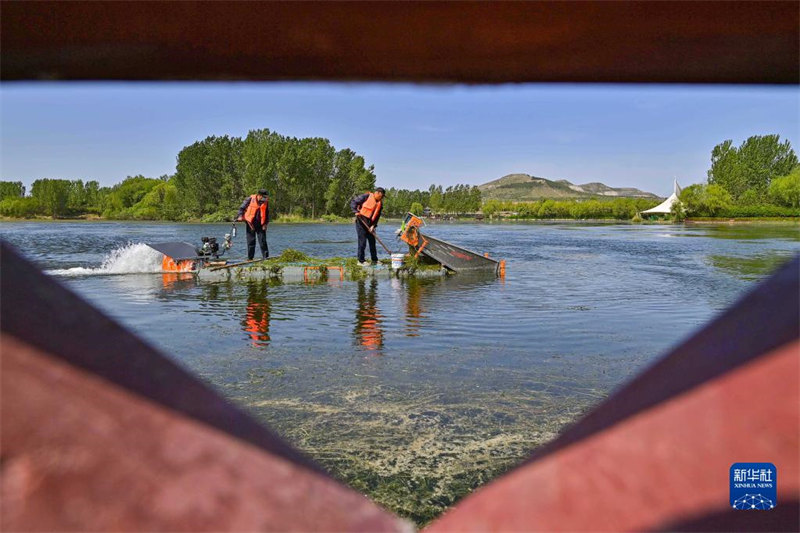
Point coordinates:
[[754, 486]]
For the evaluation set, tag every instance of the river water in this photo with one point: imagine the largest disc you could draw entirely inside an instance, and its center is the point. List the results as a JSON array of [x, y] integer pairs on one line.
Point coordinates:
[[417, 391]]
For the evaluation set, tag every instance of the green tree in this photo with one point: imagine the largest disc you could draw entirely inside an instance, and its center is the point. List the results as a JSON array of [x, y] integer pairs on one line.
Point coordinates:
[[705, 200], [752, 166], [92, 196], [19, 207], [785, 190], [678, 211], [261, 150], [11, 189], [417, 208], [160, 203], [51, 195], [208, 175]]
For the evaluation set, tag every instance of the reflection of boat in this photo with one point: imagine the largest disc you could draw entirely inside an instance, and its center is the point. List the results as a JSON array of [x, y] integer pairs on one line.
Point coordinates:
[[368, 331], [449, 255], [257, 314]]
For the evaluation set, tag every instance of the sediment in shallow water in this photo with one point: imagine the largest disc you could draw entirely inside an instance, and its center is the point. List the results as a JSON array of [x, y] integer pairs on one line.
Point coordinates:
[[414, 450]]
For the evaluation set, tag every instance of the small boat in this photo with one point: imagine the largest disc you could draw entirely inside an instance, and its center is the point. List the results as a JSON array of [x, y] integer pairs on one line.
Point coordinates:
[[181, 256], [451, 256]]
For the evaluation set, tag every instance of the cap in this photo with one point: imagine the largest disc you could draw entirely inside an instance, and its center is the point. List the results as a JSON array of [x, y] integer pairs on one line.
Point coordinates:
[[263, 192]]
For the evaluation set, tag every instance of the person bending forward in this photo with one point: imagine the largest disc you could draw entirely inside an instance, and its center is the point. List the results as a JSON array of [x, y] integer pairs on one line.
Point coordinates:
[[255, 212], [367, 209]]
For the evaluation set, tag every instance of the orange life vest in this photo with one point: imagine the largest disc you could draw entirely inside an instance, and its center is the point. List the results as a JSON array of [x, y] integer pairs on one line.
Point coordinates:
[[250, 214], [370, 208]]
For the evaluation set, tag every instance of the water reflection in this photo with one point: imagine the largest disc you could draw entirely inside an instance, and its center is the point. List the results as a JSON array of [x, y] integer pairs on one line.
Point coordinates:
[[750, 268], [257, 313], [369, 331], [177, 280], [414, 310]]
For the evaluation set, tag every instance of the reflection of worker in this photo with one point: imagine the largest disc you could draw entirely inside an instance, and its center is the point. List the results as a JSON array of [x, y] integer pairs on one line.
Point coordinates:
[[413, 306], [367, 209], [255, 212], [368, 332], [256, 320]]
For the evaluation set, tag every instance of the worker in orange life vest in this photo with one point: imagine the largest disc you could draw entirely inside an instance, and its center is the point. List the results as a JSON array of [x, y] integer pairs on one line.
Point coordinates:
[[255, 212], [367, 209]]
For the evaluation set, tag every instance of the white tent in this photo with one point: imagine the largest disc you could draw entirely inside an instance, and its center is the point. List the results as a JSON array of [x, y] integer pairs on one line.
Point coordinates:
[[665, 207]]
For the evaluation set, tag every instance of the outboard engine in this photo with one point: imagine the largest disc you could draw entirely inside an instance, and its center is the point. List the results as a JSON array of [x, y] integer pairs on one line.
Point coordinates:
[[210, 247]]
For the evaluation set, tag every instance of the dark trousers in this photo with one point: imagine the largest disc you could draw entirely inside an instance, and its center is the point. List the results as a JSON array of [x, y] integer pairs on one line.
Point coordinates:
[[364, 237], [251, 241]]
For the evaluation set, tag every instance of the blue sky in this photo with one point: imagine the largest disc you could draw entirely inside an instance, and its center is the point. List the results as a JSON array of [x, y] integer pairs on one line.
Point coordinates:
[[624, 136]]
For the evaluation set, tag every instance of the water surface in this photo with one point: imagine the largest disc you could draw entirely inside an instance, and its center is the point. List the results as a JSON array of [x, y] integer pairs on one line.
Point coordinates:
[[416, 391]]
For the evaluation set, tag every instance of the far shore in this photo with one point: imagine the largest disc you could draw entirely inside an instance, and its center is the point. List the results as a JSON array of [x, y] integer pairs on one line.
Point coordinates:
[[470, 219]]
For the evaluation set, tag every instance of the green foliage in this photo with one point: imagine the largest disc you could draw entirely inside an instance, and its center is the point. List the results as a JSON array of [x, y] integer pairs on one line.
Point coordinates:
[[750, 167], [760, 211], [705, 200], [610, 208], [305, 177], [785, 190], [131, 199], [678, 212], [11, 189], [52, 196], [24, 207], [416, 208], [454, 200], [219, 216], [290, 255]]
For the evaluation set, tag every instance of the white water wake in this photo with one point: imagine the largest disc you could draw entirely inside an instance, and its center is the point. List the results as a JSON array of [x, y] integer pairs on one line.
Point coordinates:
[[133, 258]]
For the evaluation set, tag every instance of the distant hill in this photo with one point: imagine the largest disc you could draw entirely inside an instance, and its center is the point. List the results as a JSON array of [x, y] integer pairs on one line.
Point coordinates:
[[524, 187]]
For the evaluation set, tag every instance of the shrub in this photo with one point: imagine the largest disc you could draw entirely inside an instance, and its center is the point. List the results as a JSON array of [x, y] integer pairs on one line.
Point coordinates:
[[20, 207], [333, 218], [785, 191]]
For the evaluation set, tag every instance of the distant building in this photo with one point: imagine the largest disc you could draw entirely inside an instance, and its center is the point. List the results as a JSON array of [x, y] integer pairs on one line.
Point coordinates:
[[426, 212], [665, 207]]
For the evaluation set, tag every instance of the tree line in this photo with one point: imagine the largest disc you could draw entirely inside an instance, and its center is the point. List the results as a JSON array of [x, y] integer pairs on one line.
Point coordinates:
[[309, 178], [759, 178], [457, 199], [603, 208], [306, 178]]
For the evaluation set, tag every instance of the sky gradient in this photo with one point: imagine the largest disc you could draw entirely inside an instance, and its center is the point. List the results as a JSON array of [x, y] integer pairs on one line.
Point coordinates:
[[624, 136]]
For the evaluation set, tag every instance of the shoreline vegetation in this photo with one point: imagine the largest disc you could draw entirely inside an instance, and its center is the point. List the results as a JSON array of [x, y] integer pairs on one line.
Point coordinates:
[[470, 218], [309, 180]]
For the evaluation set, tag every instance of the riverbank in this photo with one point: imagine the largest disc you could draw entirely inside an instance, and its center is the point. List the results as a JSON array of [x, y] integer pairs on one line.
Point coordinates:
[[489, 220]]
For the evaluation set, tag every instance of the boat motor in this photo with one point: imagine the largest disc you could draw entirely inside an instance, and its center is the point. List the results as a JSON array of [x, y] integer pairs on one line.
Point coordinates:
[[209, 247]]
